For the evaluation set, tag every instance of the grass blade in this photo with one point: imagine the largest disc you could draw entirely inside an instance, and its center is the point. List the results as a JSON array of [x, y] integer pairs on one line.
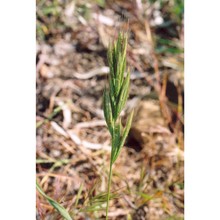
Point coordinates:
[[55, 204], [124, 136], [108, 111]]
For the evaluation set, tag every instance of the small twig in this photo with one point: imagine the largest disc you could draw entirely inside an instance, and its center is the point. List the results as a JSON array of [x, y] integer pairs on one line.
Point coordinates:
[[90, 124], [86, 144], [129, 202], [98, 71]]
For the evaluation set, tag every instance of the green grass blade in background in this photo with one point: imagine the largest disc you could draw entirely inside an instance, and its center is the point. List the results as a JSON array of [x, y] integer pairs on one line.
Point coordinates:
[[55, 204]]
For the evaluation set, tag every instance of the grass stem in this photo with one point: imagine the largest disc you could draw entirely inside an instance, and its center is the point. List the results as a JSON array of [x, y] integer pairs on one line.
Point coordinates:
[[109, 187]]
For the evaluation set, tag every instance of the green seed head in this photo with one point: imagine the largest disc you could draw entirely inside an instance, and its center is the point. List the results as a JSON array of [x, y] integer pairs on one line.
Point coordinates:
[[116, 96]]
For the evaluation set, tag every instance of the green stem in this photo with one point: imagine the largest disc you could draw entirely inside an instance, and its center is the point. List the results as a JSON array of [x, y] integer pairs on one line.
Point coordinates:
[[109, 186]]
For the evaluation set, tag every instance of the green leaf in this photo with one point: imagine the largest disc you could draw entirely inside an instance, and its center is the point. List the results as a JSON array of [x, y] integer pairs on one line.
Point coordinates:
[[124, 136], [125, 43], [110, 61], [123, 95], [117, 86], [127, 128], [108, 111], [79, 194], [55, 204], [116, 139], [122, 70], [123, 60], [115, 58], [98, 202]]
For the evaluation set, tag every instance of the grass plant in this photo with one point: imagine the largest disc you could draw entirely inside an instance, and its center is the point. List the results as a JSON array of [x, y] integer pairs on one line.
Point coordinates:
[[114, 100]]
